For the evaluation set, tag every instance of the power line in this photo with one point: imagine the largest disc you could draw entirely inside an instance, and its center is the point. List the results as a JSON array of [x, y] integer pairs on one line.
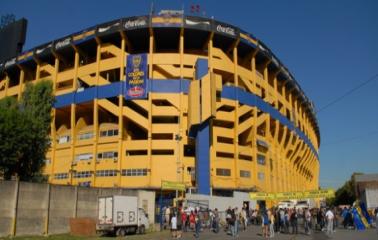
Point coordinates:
[[350, 138], [347, 93]]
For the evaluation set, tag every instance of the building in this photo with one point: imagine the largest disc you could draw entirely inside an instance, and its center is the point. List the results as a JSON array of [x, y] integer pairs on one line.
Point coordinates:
[[205, 103], [367, 189]]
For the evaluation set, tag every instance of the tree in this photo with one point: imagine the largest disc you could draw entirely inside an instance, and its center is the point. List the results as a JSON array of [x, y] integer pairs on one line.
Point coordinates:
[[346, 194], [24, 131]]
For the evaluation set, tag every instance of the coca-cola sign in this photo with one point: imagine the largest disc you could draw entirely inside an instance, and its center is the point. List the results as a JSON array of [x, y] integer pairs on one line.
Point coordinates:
[[226, 30], [63, 43], [132, 23]]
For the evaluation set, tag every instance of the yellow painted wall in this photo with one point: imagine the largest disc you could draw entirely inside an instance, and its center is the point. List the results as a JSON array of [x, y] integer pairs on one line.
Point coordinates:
[[289, 163]]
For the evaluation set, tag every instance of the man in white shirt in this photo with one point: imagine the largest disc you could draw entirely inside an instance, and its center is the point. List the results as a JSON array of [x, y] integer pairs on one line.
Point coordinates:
[[329, 216], [174, 226]]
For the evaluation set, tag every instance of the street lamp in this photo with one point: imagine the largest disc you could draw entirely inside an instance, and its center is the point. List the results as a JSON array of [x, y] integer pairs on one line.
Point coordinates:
[[178, 138]]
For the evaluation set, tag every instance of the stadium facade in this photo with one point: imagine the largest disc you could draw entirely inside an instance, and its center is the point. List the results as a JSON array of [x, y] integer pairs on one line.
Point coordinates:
[[146, 99]]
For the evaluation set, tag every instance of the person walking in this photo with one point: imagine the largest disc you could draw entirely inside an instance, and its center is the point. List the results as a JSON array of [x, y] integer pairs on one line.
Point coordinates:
[[236, 225], [174, 226], [243, 219], [271, 225], [192, 221], [294, 221], [197, 224], [216, 221], [228, 220], [265, 223], [233, 223], [286, 221], [329, 216], [167, 216], [179, 223], [307, 221], [282, 220], [184, 218]]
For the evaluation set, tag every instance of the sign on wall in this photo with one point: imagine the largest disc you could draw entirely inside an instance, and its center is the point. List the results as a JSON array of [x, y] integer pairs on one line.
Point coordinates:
[[167, 185], [326, 193], [136, 76]]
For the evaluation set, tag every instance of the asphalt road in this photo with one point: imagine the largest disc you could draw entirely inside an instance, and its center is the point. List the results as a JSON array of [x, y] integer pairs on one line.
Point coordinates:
[[254, 232]]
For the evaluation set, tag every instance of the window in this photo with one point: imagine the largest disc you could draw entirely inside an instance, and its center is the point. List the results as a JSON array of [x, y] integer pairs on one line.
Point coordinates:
[[107, 155], [189, 150], [260, 176], [223, 172], [60, 175], [109, 133], [162, 152], [136, 152], [106, 173], [260, 159], [134, 172], [84, 136], [245, 174], [84, 184], [84, 174], [83, 157], [63, 139]]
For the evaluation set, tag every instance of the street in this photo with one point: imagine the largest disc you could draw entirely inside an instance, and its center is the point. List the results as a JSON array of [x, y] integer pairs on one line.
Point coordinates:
[[254, 232]]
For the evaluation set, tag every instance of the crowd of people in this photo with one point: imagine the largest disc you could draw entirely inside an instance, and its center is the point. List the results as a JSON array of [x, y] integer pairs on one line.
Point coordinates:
[[186, 219], [272, 221]]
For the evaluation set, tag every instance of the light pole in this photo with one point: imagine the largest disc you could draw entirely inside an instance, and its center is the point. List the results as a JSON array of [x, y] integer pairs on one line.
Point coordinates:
[[178, 138]]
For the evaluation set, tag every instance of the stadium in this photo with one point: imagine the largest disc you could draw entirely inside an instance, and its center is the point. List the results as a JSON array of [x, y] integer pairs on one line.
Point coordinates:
[[170, 97]]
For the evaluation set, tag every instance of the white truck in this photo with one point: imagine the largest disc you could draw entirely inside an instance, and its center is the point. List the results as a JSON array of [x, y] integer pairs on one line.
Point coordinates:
[[121, 215]]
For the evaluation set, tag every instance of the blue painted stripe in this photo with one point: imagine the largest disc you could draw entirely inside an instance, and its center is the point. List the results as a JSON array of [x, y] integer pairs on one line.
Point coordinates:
[[110, 90], [176, 86], [202, 68], [64, 100], [253, 100], [117, 88], [203, 159], [169, 85], [85, 96]]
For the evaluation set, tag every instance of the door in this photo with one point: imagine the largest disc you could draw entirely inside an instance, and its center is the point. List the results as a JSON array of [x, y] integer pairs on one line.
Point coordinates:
[[108, 210]]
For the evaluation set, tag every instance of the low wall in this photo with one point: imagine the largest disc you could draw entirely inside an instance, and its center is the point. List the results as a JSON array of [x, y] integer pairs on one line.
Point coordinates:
[[40, 209]]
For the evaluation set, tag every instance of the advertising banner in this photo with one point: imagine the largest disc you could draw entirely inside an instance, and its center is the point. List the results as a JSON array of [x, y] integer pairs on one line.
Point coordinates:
[[197, 23], [62, 43], [327, 193], [132, 23], [83, 35], [136, 76], [168, 18], [225, 29], [166, 185], [43, 50], [109, 27]]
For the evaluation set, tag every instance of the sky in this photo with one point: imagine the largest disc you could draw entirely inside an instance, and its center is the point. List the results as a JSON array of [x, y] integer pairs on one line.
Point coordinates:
[[330, 46]]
